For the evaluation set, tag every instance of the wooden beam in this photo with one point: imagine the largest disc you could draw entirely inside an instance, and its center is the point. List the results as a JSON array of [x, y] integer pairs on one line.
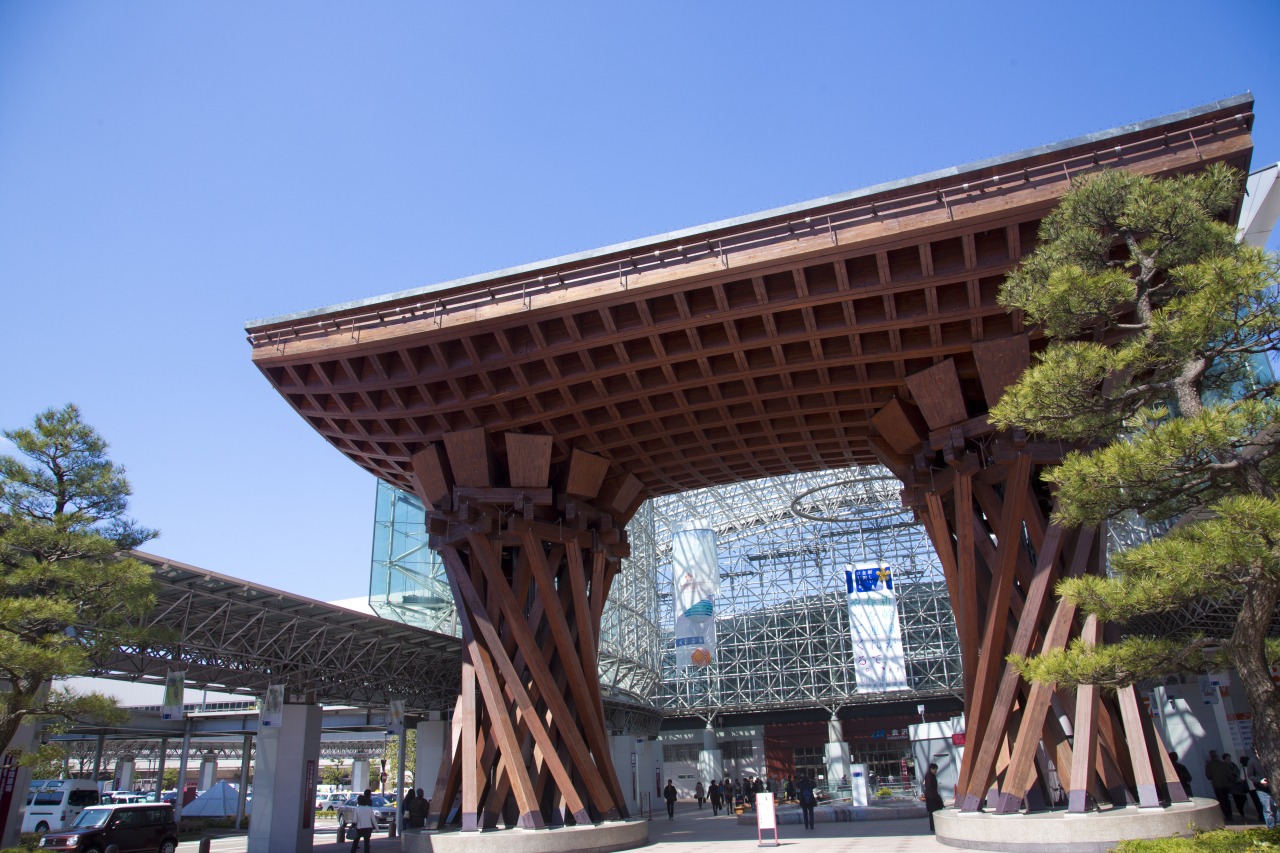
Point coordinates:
[[512, 610], [1000, 363], [901, 425], [1136, 739], [1021, 766], [936, 390], [1085, 726], [1008, 546], [585, 475], [1010, 680], [469, 460], [470, 602], [528, 460], [431, 475]]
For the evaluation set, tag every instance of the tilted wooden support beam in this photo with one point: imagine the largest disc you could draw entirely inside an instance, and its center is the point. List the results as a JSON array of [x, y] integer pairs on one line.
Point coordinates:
[[513, 527]]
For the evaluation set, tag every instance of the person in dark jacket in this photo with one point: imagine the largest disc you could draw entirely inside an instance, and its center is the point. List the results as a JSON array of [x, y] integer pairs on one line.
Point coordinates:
[[716, 798], [669, 794], [405, 807], [807, 800], [1218, 772], [1184, 775], [418, 812], [932, 798]]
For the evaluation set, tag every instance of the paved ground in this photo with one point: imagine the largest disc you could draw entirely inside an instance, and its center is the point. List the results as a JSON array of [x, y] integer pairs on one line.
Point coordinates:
[[694, 831]]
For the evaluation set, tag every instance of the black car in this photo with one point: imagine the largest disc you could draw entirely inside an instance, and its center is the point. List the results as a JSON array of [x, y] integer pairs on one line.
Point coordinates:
[[131, 827]]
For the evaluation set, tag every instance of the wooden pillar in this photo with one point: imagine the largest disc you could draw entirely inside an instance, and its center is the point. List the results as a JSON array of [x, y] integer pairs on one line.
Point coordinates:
[[530, 546], [980, 496]]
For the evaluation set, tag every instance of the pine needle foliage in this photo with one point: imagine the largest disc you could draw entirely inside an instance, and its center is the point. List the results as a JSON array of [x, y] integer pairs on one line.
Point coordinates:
[[1159, 328], [69, 594]]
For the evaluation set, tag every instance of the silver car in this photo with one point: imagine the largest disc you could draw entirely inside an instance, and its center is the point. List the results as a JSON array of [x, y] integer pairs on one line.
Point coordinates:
[[384, 812]]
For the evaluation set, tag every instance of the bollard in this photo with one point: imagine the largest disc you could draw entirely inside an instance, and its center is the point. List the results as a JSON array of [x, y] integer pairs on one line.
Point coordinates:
[[206, 844], [342, 831], [391, 829]]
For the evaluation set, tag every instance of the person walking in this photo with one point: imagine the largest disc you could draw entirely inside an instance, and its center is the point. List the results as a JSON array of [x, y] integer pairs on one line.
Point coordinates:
[[789, 789], [1267, 798], [1236, 785], [1219, 775], [406, 805], [717, 799], [1184, 775], [1250, 776], [932, 798], [699, 794], [364, 822], [669, 794], [418, 813], [807, 800]]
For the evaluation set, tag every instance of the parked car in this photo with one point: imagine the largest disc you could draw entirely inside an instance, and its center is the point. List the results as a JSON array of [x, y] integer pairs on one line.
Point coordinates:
[[131, 827], [384, 813], [331, 800], [55, 803]]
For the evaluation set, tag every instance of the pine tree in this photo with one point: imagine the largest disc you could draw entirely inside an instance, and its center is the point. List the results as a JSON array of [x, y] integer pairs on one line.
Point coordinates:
[[68, 592], [1159, 326]]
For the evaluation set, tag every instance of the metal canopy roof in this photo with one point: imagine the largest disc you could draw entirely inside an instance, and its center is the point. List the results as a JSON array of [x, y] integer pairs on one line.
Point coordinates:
[[236, 636]]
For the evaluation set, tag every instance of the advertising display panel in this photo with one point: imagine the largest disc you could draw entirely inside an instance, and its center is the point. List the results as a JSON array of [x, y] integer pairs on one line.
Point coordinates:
[[696, 575], [873, 621]]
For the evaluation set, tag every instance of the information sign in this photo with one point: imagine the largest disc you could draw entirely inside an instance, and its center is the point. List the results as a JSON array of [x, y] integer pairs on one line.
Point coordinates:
[[766, 819]]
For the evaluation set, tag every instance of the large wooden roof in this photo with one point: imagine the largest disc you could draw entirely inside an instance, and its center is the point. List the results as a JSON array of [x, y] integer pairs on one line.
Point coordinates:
[[748, 348]]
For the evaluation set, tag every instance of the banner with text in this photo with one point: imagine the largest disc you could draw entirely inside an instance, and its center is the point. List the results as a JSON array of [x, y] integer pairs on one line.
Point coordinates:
[[696, 579], [873, 620]]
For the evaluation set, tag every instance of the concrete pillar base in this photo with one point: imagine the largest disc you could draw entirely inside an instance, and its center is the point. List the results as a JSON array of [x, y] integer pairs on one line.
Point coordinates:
[[1063, 832], [600, 838]]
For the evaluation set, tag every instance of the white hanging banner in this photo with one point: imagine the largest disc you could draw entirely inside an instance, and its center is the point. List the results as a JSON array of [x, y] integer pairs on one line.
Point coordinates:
[[696, 575], [175, 688], [873, 621], [271, 709], [395, 721]]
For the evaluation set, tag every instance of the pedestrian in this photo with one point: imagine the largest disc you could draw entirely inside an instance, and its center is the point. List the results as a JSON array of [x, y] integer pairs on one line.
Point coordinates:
[[1184, 775], [364, 822], [807, 800], [1237, 784], [1268, 800], [1219, 775], [699, 794], [405, 806], [717, 798], [790, 789], [932, 797], [1250, 776], [669, 794], [418, 814]]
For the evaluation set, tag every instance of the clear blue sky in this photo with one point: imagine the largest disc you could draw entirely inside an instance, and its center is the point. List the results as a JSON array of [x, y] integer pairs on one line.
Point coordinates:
[[170, 170]]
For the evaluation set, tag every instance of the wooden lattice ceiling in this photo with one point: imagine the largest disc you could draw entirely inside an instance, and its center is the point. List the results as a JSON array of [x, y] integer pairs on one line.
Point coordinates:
[[740, 350]]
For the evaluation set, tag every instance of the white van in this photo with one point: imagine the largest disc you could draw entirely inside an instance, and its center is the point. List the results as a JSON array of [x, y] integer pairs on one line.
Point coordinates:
[[54, 803]]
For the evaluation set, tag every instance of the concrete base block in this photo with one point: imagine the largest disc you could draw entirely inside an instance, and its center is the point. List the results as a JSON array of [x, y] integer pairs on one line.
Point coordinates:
[[1061, 832], [601, 838]]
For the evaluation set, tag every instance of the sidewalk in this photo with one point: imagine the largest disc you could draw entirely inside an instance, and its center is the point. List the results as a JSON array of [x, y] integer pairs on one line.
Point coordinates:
[[696, 831]]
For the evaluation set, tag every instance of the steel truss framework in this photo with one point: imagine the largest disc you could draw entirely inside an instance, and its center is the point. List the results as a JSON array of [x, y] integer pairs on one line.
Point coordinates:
[[237, 636], [782, 626]]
